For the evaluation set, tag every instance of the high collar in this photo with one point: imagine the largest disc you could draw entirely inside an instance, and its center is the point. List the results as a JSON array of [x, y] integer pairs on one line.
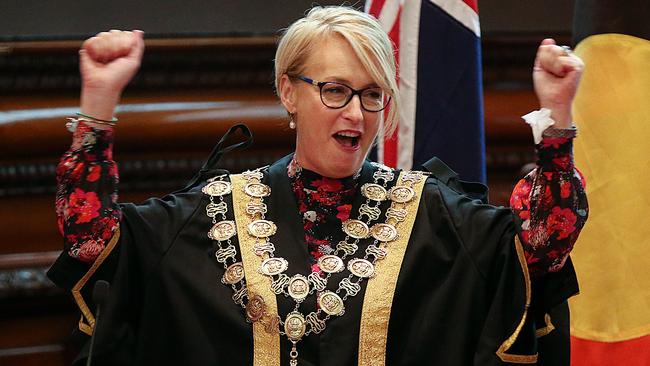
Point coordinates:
[[313, 181]]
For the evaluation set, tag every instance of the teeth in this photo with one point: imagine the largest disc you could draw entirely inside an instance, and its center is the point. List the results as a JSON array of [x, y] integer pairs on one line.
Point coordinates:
[[349, 134]]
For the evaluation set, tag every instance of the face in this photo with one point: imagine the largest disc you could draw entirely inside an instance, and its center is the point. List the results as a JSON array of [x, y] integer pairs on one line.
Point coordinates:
[[331, 142]]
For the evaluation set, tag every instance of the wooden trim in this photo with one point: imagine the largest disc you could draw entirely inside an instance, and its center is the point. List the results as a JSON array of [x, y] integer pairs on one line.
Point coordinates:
[[28, 260], [155, 44]]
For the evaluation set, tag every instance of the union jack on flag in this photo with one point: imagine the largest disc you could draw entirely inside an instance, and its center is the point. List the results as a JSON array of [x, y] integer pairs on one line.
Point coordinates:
[[438, 51]]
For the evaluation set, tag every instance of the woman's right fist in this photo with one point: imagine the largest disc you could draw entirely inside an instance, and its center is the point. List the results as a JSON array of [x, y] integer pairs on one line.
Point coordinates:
[[109, 60]]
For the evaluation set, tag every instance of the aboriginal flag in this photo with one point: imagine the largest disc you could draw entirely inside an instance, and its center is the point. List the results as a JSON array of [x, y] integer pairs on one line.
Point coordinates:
[[610, 319]]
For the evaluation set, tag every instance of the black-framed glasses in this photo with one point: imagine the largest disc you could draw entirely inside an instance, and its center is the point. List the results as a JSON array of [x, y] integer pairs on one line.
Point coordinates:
[[337, 95]]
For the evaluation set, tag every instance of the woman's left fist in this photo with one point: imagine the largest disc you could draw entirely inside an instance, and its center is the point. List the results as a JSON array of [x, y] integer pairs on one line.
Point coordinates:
[[556, 76]]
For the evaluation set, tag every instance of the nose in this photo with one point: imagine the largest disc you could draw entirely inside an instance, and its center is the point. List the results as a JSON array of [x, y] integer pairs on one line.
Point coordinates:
[[353, 110]]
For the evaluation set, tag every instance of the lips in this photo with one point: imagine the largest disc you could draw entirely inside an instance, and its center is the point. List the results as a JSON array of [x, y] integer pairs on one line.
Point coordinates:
[[348, 139]]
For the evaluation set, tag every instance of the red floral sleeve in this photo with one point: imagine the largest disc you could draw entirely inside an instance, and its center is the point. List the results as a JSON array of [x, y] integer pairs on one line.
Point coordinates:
[[86, 198], [552, 205]]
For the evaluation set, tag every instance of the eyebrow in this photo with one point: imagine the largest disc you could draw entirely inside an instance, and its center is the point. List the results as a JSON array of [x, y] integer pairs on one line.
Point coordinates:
[[347, 82]]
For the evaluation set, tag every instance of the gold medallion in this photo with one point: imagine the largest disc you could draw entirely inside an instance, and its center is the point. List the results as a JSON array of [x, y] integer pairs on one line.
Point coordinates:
[[374, 192], [295, 326], [401, 194], [356, 229], [298, 287], [255, 308], [383, 232], [234, 273], [362, 268], [262, 228], [258, 190], [217, 188], [274, 266], [331, 303], [330, 264], [223, 230]]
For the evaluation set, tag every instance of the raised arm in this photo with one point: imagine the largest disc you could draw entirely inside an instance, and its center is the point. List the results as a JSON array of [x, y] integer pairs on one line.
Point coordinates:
[[551, 200], [87, 176]]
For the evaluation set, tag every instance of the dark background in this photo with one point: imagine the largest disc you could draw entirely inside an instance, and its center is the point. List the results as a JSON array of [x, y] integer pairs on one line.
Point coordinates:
[[71, 19]]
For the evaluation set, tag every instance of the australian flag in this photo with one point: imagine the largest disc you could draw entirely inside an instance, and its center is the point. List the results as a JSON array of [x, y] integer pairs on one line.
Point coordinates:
[[439, 56]]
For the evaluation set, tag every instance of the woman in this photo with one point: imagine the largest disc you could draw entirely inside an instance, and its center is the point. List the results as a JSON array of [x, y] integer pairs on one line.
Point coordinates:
[[374, 265]]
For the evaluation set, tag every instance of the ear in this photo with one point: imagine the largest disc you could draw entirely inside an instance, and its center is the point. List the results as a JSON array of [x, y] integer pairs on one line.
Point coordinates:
[[287, 94]]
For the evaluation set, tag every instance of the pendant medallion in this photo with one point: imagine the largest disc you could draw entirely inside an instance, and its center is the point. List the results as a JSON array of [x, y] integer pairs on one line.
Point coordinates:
[[257, 190], [356, 229], [401, 194], [223, 230], [298, 287], [234, 273], [255, 308], [331, 303], [374, 192], [217, 188], [362, 268], [262, 228], [383, 232], [330, 264], [295, 326], [274, 266]]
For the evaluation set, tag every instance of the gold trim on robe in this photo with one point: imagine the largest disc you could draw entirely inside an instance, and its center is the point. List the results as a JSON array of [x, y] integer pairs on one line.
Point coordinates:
[[87, 321], [547, 329], [266, 343], [380, 290], [505, 346]]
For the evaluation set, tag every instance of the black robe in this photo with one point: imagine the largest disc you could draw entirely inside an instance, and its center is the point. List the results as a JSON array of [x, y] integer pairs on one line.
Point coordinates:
[[460, 292]]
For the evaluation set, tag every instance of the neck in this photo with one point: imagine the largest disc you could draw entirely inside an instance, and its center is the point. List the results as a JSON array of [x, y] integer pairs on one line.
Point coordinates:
[[295, 168]]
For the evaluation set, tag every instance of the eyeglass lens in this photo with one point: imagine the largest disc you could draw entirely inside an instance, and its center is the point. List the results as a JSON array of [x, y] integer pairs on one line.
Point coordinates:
[[335, 95]]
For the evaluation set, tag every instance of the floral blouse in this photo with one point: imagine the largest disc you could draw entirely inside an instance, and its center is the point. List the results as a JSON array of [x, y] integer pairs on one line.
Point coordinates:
[[550, 202]]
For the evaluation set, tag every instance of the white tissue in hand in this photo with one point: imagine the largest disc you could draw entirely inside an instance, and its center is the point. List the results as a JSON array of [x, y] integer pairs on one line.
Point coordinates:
[[539, 121]]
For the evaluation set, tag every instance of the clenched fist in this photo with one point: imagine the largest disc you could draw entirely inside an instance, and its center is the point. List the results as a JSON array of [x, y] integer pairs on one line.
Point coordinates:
[[108, 61], [556, 76]]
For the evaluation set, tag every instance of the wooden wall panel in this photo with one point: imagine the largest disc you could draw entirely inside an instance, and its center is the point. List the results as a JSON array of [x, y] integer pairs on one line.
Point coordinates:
[[186, 95]]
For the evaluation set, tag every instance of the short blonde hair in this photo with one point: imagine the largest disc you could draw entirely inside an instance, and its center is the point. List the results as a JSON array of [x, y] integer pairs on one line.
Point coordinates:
[[368, 40]]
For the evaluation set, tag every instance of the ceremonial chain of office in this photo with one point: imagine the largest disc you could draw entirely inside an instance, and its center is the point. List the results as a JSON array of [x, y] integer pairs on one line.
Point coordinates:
[[297, 325]]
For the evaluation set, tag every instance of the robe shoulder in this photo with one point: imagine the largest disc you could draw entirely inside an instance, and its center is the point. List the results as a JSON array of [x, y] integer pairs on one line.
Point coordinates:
[[480, 229]]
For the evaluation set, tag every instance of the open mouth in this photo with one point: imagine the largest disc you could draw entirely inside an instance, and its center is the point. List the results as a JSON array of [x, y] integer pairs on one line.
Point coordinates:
[[348, 139]]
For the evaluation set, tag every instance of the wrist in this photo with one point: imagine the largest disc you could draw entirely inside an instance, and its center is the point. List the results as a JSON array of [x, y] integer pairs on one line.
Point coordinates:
[[99, 104], [562, 119], [561, 115]]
